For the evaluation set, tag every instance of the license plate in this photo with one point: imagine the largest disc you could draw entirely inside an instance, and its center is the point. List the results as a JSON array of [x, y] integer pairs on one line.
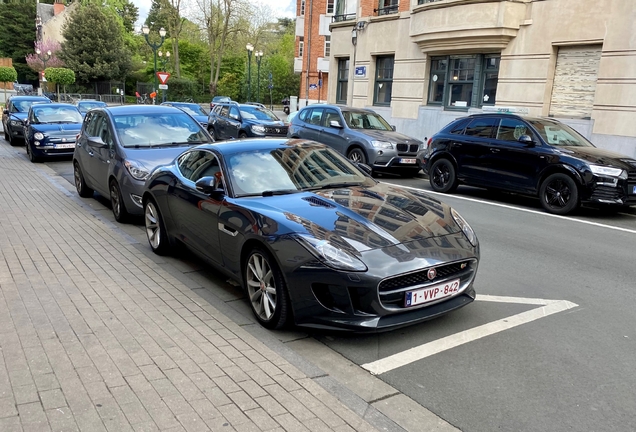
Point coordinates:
[[64, 146], [431, 293], [408, 161]]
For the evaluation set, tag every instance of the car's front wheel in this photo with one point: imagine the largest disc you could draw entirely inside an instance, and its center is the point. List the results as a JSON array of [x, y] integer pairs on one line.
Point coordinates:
[[213, 134], [443, 177], [357, 155], [559, 194], [242, 135], [117, 203], [155, 228], [32, 157], [80, 184], [266, 289]]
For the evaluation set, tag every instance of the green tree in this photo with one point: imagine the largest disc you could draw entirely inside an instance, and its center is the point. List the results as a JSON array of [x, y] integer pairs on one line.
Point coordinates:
[[94, 45], [17, 33], [59, 76], [7, 75]]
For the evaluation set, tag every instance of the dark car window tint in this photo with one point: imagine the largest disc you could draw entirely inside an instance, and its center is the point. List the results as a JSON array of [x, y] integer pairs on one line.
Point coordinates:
[[198, 164], [91, 127], [303, 115], [511, 130], [330, 115], [104, 132], [224, 111], [315, 116], [482, 128], [458, 128]]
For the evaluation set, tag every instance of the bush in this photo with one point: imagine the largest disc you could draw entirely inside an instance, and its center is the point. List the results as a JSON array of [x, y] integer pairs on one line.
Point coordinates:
[[8, 74], [61, 76]]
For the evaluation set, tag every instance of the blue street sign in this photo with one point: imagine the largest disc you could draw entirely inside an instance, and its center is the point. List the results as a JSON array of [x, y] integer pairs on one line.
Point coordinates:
[[313, 86], [361, 71], [320, 83]]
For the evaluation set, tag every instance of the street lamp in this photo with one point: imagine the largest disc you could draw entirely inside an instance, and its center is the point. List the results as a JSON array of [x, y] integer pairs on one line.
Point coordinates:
[[249, 48], [44, 57], [154, 45], [354, 42], [259, 57]]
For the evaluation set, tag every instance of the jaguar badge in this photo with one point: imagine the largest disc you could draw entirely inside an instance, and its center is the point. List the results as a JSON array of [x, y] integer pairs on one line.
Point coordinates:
[[431, 274]]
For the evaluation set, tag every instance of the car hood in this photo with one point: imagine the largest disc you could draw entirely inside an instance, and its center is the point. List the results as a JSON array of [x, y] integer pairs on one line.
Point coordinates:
[[367, 218], [599, 156], [201, 118], [266, 122], [61, 129], [390, 136], [152, 158], [19, 116]]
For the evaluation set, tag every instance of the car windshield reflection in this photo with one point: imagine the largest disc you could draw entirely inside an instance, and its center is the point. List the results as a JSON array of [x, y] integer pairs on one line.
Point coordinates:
[[152, 130], [58, 114], [257, 113], [290, 170], [557, 134]]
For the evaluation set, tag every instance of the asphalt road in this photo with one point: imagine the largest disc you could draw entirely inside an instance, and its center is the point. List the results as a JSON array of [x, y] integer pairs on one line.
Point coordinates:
[[526, 367]]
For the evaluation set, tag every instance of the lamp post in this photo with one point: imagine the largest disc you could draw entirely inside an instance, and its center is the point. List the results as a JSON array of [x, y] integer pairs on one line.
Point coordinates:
[[155, 46], [259, 57], [163, 60], [249, 48], [44, 57], [354, 42]]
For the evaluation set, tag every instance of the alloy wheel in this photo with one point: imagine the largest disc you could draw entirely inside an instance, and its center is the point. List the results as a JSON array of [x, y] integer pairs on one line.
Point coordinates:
[[558, 194], [261, 286], [441, 175], [153, 227], [114, 199], [356, 155], [78, 178]]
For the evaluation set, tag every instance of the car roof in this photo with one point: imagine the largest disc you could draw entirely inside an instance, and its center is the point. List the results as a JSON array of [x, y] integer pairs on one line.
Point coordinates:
[[514, 116], [140, 109], [54, 105], [29, 98], [255, 144], [345, 108]]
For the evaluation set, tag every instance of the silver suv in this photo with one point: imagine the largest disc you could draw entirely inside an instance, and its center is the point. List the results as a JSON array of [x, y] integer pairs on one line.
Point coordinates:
[[360, 134]]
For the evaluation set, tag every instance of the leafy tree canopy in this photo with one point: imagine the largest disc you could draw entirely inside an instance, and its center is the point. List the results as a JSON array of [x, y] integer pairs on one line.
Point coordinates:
[[17, 33], [61, 76], [7, 74], [94, 45]]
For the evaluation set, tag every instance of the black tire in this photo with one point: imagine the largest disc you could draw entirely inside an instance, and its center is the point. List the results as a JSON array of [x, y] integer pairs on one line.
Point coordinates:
[[10, 138], [213, 134], [32, 157], [117, 203], [6, 135], [559, 194], [80, 184], [242, 135], [265, 287], [442, 176], [356, 154], [155, 228]]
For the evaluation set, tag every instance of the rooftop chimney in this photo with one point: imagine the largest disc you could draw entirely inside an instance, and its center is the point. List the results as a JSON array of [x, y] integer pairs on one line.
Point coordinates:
[[58, 7]]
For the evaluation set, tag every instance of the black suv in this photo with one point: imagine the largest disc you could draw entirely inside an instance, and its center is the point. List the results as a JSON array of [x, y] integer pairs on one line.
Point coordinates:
[[233, 120], [532, 156]]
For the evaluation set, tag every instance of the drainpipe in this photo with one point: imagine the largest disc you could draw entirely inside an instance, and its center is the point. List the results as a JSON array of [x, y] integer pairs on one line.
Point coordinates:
[[311, 10]]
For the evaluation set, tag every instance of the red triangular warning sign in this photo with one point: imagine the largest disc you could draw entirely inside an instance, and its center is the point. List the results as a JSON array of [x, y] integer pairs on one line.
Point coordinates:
[[163, 77]]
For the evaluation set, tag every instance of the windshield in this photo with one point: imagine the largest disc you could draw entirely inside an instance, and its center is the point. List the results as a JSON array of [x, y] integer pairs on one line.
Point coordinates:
[[192, 109], [365, 120], [559, 134], [56, 114], [256, 113], [85, 106], [24, 105], [150, 130], [291, 169]]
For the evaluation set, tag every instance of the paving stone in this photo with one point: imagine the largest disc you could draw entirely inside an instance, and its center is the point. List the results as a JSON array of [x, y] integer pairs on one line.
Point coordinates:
[[52, 399], [8, 407]]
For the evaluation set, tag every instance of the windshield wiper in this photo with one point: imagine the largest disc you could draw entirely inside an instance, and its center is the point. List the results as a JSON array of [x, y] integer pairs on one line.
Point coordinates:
[[279, 192]]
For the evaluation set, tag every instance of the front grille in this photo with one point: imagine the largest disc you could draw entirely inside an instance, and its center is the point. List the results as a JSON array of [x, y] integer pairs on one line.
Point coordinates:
[[407, 148], [606, 193], [276, 130], [631, 176], [420, 277]]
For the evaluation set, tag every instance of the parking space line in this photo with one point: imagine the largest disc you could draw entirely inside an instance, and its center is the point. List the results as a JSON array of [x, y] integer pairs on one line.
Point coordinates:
[[517, 208], [414, 354]]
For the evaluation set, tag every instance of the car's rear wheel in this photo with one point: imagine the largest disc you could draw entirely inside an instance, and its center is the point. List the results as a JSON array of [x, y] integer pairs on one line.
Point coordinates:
[[266, 289], [559, 194], [443, 177], [117, 203], [80, 184], [155, 228], [357, 155], [32, 157]]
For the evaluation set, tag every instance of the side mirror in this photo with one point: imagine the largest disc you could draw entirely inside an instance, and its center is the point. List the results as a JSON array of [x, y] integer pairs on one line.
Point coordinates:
[[234, 117], [210, 185], [366, 169], [393, 127], [335, 124], [526, 139], [96, 142]]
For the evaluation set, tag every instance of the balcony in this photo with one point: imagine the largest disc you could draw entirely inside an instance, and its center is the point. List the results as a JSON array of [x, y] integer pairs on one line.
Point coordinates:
[[323, 64], [456, 26], [343, 17], [298, 64]]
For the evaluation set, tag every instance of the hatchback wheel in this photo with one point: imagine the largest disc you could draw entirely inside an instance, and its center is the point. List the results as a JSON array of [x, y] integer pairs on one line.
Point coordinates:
[[82, 190], [213, 134], [357, 155], [266, 290], [32, 157], [559, 194], [155, 228], [117, 203], [442, 176]]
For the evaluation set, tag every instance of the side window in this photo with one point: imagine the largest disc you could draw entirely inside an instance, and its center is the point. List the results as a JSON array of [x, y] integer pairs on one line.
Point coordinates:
[[459, 127], [103, 131], [234, 113], [303, 115], [223, 112], [481, 127], [330, 115], [195, 165], [315, 116], [92, 124], [512, 129]]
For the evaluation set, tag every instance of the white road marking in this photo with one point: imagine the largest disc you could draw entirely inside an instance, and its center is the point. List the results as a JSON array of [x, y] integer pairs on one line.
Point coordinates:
[[517, 208], [428, 349]]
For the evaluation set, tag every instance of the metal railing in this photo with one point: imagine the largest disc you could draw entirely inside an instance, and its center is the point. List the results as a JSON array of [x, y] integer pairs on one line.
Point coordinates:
[[420, 2], [386, 10], [343, 17]]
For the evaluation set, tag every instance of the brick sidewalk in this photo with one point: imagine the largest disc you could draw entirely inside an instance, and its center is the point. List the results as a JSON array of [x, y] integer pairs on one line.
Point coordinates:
[[95, 336]]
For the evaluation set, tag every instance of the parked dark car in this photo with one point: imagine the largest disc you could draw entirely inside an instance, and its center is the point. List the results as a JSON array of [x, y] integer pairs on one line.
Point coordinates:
[[218, 100], [311, 237], [193, 109], [119, 146], [528, 155], [15, 114], [50, 130], [233, 120], [87, 104], [361, 134]]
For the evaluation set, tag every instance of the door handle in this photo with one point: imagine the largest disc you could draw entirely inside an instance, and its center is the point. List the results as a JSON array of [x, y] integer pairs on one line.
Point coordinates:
[[494, 150], [456, 144], [90, 153], [227, 230]]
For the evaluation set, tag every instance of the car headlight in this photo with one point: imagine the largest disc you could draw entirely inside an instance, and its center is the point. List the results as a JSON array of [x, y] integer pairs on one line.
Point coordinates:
[[38, 136], [136, 170], [422, 147], [331, 254], [608, 171], [16, 123], [258, 129], [382, 144], [466, 229]]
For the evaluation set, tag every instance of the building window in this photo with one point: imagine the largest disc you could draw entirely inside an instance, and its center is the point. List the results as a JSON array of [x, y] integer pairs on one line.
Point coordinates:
[[302, 7], [386, 7], [327, 46], [463, 81], [331, 6], [383, 80], [343, 81], [301, 47]]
